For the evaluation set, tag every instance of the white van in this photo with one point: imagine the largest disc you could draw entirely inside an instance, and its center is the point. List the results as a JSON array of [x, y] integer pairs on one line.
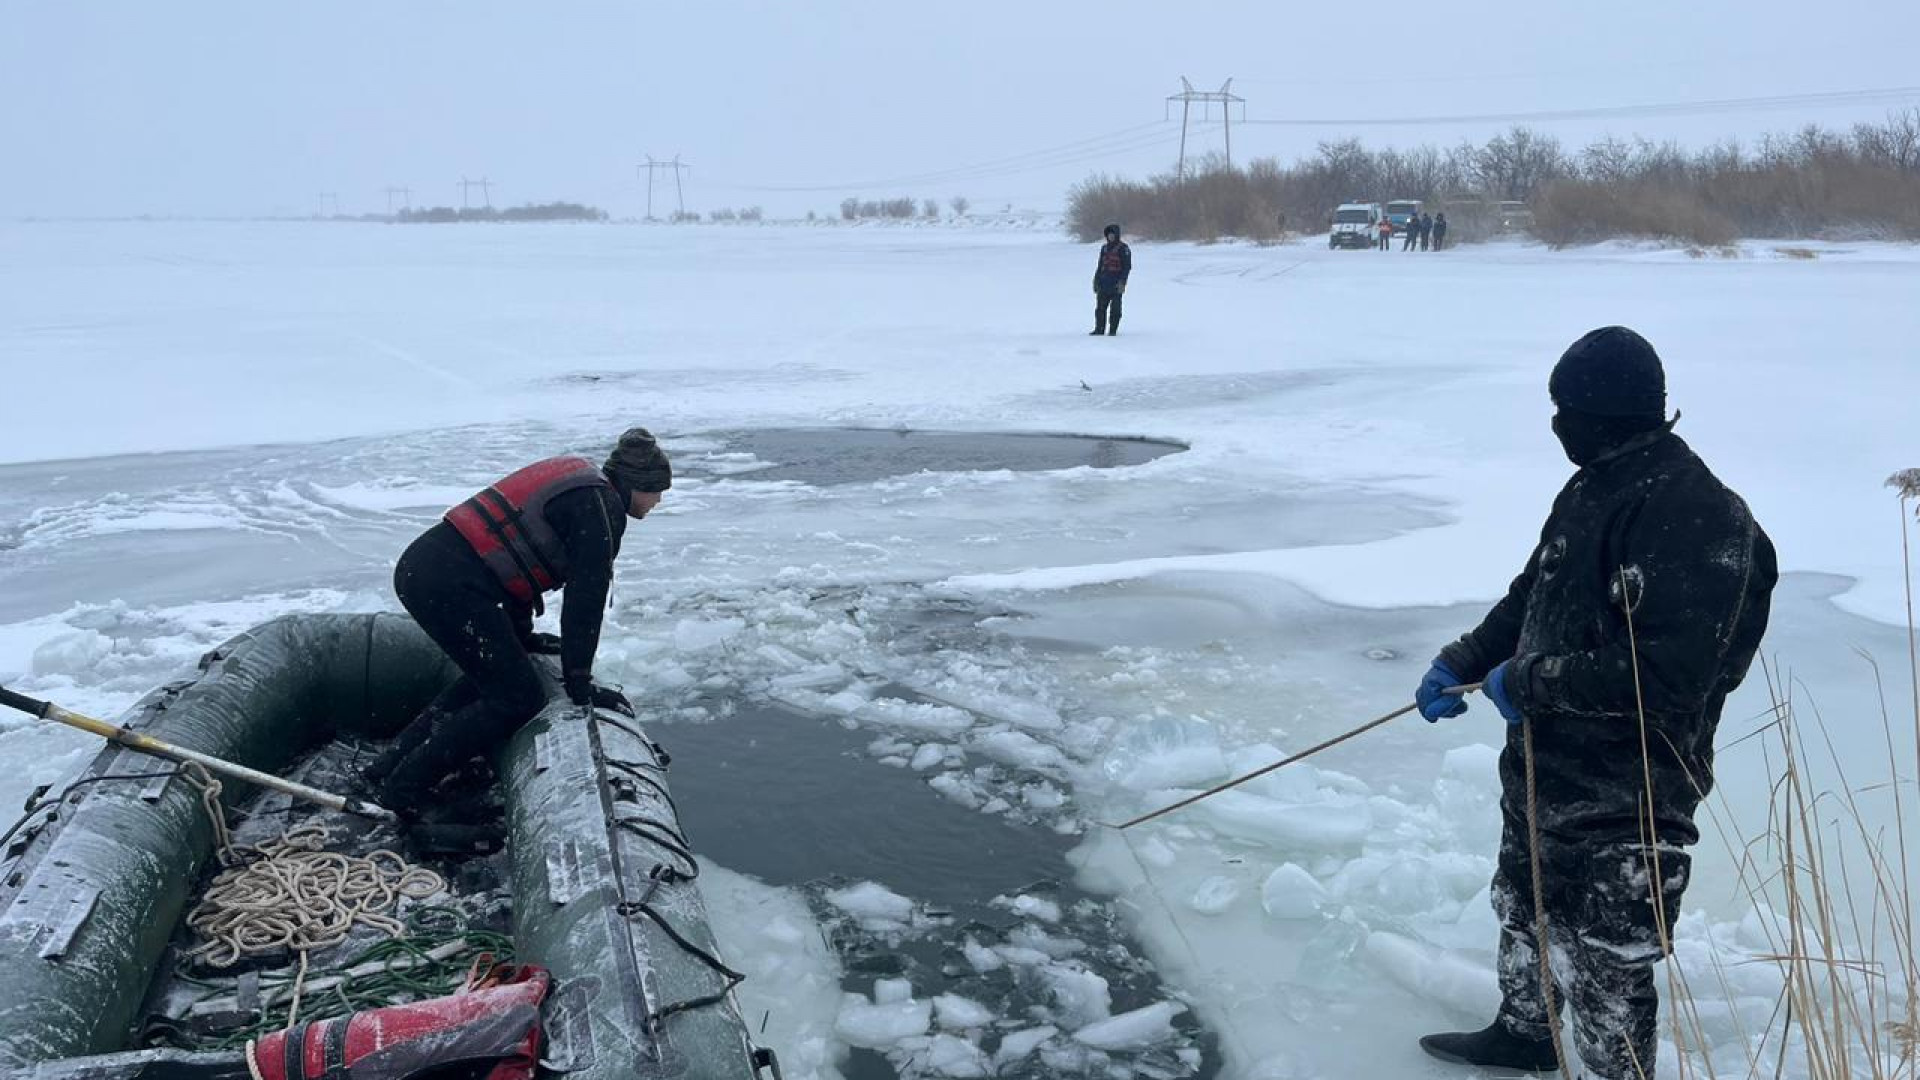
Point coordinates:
[[1355, 225]]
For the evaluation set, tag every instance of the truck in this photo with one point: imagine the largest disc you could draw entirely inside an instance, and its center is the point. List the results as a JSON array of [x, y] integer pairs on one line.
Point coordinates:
[[1355, 225], [1402, 212]]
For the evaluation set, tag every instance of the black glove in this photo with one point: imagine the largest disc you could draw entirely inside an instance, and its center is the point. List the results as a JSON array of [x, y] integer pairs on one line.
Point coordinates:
[[605, 698], [542, 644], [579, 686]]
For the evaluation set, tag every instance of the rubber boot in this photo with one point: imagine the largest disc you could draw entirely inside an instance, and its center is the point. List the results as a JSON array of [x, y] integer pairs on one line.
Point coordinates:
[[1493, 1047]]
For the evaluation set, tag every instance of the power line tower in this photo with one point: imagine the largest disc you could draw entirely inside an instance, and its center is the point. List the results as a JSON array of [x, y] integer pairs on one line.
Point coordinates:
[[1227, 99], [326, 199], [486, 192], [406, 198], [679, 192]]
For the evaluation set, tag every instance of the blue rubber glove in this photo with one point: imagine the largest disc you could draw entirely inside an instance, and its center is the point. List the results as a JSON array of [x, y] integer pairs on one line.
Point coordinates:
[[1434, 704], [1496, 690]]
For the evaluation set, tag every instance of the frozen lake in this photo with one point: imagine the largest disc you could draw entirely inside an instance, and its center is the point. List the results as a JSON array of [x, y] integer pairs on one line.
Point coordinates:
[[215, 423]]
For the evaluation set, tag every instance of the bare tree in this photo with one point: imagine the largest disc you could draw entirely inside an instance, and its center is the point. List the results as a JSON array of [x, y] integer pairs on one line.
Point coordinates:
[[1519, 163], [959, 204], [930, 209]]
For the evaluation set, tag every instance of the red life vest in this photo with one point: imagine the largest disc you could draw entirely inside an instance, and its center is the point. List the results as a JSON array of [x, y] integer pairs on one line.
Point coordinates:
[[499, 1022], [507, 524]]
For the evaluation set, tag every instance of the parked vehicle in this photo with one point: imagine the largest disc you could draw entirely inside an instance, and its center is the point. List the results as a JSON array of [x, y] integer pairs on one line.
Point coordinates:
[[1355, 225], [1402, 212], [1515, 216]]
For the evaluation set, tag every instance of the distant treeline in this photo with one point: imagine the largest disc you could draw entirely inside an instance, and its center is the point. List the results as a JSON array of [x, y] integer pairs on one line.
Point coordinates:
[[901, 208], [554, 211], [1864, 182]]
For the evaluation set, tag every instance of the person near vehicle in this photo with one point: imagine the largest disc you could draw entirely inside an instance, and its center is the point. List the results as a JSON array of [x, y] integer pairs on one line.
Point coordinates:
[[1412, 231], [474, 582], [1426, 231], [1439, 230], [1110, 274], [1640, 609], [1386, 233]]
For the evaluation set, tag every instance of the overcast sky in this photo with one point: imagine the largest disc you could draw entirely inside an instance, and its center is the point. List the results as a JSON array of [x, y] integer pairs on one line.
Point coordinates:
[[112, 107]]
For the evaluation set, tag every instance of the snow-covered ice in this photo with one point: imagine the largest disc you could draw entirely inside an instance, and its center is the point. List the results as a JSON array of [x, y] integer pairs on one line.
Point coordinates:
[[222, 422]]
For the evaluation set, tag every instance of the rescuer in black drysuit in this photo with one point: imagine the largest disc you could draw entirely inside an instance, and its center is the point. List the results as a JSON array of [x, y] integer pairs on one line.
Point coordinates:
[[1642, 531], [474, 582]]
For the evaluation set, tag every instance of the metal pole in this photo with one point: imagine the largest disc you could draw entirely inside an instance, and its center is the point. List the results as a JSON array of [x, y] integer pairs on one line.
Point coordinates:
[[1186, 110], [679, 193], [1226, 110], [147, 744]]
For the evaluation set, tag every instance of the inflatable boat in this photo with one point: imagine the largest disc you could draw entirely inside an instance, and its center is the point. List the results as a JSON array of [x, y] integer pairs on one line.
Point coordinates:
[[593, 890]]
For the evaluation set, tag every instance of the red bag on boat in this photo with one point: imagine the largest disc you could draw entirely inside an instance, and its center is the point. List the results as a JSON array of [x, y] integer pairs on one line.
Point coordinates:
[[493, 1027]]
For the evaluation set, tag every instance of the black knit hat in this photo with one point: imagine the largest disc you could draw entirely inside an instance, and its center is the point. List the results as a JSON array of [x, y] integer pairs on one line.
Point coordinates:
[[1611, 371], [1111, 230], [638, 463]]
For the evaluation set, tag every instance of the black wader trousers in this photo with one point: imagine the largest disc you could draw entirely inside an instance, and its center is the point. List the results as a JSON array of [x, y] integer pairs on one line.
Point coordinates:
[[467, 612], [1106, 312], [1605, 940]]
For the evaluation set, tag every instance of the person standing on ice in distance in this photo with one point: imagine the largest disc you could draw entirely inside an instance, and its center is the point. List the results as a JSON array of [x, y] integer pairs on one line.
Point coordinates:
[[1439, 230], [474, 582], [1646, 596], [1110, 282]]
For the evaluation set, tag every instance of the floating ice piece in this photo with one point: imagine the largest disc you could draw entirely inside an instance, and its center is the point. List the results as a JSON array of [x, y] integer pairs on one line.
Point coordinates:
[[1019, 711], [928, 756], [1043, 796], [892, 991], [1018, 1044], [1080, 995], [870, 902], [1292, 893], [1214, 895], [695, 635], [1030, 936], [1332, 825], [876, 1027], [958, 786], [1134, 1030], [914, 715], [1434, 974], [1168, 752], [950, 1055], [811, 678], [959, 1013], [981, 958], [1019, 749], [1033, 907]]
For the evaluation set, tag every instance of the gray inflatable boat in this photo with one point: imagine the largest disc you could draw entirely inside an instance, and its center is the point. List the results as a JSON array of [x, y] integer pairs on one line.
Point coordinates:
[[597, 870]]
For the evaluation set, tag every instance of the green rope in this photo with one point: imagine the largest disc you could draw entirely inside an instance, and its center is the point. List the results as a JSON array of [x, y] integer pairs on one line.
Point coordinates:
[[416, 978]]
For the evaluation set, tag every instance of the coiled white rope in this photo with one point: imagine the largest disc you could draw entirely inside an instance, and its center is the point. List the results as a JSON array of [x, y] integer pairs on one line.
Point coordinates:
[[293, 894]]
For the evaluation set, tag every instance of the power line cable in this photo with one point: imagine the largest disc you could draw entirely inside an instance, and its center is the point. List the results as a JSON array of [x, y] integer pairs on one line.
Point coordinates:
[[1090, 148], [1890, 95]]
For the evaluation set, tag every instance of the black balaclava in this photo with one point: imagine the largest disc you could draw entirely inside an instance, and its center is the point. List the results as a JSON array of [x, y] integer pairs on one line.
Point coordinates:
[[1610, 388], [638, 464]]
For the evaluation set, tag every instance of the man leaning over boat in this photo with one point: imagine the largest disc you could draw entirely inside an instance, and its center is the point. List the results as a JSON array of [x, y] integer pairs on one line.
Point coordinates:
[[475, 581]]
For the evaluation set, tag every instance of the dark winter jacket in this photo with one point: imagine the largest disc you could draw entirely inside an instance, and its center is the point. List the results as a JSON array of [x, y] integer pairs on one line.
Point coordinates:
[[1425, 224], [590, 523], [1116, 262], [1650, 526]]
